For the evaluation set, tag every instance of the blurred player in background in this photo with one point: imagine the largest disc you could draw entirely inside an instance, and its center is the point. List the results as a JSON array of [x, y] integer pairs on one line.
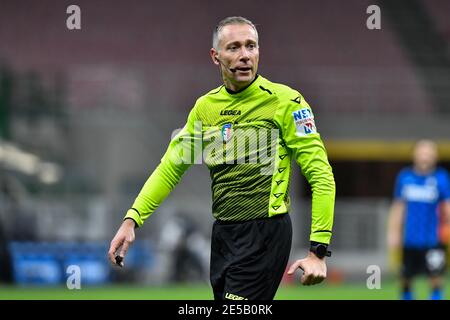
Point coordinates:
[[421, 203], [252, 234]]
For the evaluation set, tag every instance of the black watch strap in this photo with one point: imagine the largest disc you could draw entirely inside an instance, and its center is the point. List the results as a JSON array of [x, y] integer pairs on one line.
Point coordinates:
[[320, 249]]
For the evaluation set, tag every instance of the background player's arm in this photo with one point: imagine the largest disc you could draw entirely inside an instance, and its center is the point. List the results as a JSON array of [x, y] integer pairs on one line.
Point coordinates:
[[446, 211], [177, 159], [395, 224], [445, 228]]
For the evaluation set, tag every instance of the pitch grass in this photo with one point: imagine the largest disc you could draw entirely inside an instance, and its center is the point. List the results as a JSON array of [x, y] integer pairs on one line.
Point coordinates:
[[351, 291]]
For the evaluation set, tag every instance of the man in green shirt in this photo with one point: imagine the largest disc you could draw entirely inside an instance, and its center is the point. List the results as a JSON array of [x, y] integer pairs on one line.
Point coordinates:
[[246, 131]]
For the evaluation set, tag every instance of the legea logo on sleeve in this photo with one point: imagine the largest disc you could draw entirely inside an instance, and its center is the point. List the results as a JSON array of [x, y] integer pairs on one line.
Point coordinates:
[[304, 121]]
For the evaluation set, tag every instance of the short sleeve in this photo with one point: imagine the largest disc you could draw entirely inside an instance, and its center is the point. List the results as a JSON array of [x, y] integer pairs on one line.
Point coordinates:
[[398, 186]]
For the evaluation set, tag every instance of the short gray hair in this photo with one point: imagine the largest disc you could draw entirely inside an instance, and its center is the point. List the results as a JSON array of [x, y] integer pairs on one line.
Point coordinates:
[[227, 21]]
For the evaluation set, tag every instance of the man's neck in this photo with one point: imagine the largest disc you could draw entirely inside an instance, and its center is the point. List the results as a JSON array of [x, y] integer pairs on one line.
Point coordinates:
[[233, 88], [423, 171]]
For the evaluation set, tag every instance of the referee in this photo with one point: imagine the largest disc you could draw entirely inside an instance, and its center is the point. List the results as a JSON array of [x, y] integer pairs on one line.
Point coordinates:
[[248, 129]]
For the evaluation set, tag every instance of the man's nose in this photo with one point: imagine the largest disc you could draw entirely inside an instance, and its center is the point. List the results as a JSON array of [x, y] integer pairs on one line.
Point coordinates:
[[245, 54]]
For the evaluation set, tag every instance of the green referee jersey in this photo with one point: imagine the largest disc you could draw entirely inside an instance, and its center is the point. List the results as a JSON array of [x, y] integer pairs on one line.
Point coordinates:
[[247, 140]]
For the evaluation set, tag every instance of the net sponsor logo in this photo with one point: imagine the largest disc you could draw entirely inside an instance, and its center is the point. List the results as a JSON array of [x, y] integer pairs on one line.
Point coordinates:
[[304, 122]]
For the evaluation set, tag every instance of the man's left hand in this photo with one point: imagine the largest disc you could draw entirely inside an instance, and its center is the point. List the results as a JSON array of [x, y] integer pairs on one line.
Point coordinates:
[[314, 269]]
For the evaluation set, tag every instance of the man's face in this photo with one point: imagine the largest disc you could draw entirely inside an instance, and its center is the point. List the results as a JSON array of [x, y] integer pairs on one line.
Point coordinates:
[[237, 55], [425, 156]]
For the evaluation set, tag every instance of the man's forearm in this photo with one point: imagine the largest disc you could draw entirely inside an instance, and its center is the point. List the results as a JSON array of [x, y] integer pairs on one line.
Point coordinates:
[[396, 217], [155, 190], [322, 217], [446, 209], [323, 199], [317, 170]]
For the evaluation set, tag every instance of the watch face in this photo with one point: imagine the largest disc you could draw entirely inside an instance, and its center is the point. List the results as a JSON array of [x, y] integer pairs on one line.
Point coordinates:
[[321, 250]]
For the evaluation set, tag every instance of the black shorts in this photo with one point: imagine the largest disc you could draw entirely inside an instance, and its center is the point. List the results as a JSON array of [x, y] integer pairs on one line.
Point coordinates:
[[248, 259], [430, 261]]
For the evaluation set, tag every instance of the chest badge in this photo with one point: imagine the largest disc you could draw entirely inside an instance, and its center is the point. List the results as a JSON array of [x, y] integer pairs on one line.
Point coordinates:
[[227, 132]]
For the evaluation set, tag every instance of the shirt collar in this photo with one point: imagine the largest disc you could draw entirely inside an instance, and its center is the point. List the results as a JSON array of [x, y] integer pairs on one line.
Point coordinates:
[[252, 86]]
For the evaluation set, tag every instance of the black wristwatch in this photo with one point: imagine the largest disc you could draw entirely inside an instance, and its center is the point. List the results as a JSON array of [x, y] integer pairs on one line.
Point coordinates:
[[320, 249]]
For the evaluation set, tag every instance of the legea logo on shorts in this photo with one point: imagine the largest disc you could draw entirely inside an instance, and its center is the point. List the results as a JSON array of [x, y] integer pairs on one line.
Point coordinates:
[[231, 296]]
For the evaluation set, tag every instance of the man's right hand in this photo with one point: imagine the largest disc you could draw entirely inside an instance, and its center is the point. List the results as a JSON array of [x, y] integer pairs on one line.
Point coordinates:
[[122, 240], [314, 269]]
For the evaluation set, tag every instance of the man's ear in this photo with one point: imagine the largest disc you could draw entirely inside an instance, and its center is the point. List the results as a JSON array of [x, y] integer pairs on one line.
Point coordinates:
[[214, 56]]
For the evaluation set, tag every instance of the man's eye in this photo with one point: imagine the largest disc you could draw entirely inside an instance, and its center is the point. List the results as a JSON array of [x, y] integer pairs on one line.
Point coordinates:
[[233, 48], [251, 46]]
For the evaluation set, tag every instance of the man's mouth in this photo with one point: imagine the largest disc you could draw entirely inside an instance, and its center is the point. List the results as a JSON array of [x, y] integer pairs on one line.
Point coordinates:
[[243, 69]]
